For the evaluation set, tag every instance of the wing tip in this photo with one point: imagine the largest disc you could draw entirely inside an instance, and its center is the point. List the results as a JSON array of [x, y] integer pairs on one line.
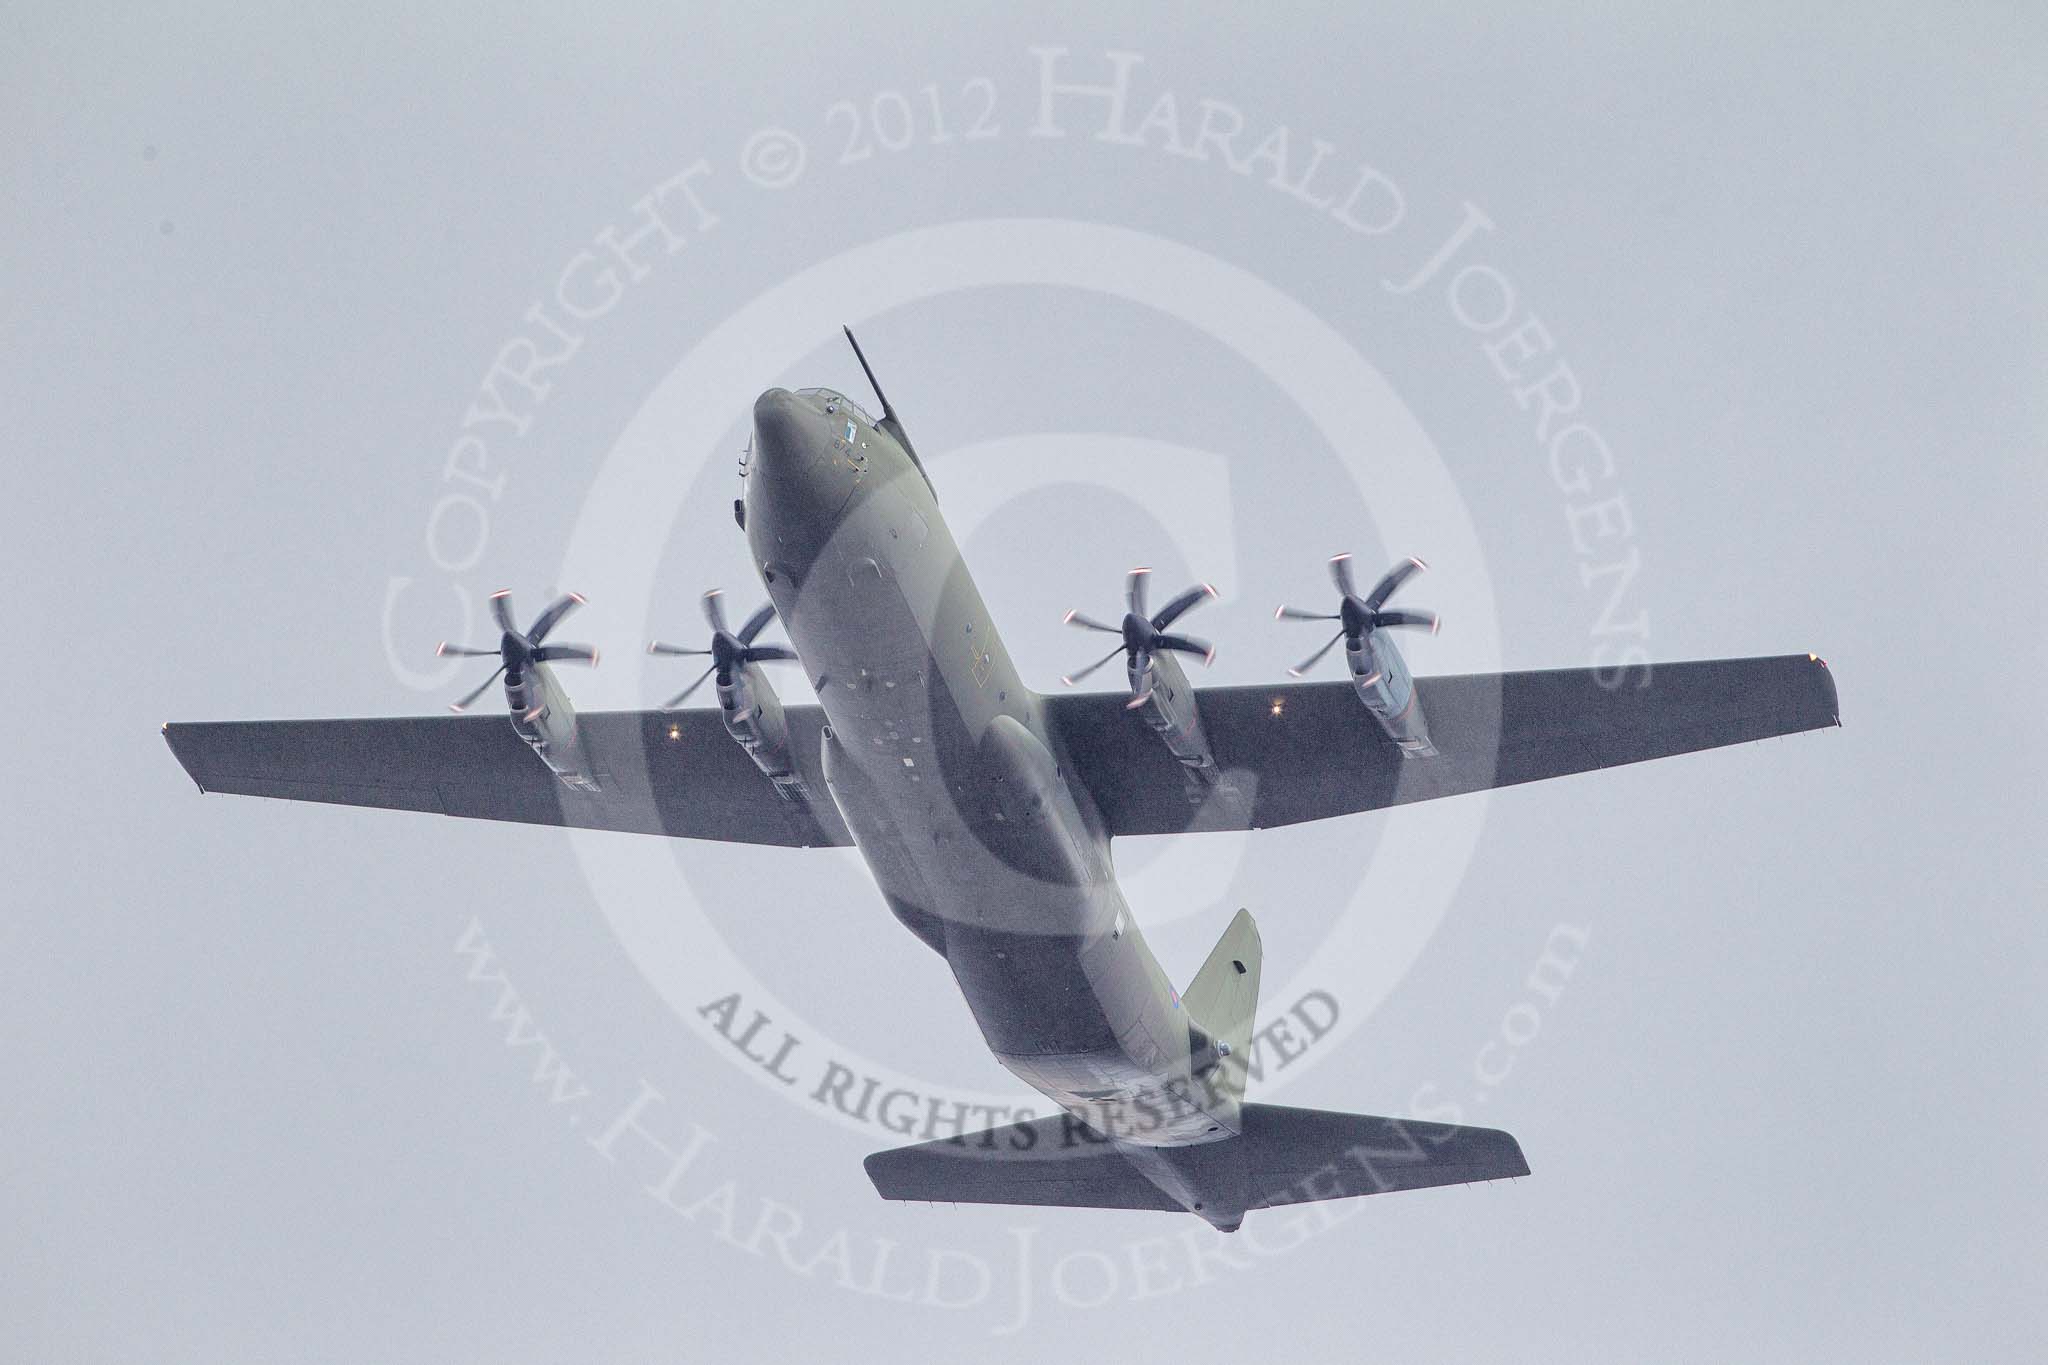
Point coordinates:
[[1832, 694], [174, 734]]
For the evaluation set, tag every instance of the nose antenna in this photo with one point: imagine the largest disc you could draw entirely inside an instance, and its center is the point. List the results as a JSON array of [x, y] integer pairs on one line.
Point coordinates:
[[890, 422], [888, 413]]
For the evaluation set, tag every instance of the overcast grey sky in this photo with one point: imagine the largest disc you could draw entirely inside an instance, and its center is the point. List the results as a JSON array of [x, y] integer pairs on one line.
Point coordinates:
[[1785, 1104]]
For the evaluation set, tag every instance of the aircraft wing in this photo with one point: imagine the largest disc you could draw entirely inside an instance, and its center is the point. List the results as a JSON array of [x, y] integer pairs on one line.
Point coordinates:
[[661, 772], [1308, 751]]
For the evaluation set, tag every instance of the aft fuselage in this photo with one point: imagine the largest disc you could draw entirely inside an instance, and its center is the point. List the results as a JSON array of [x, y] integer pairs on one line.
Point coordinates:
[[940, 762]]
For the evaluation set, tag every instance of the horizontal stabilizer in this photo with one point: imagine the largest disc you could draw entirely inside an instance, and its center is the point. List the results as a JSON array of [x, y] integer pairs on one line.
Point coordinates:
[[1284, 1156], [1056, 1161], [1298, 1156]]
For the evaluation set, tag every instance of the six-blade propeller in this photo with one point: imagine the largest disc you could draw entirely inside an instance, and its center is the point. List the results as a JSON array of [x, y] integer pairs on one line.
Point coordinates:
[[1144, 636], [1359, 616], [729, 649], [1141, 635], [517, 650]]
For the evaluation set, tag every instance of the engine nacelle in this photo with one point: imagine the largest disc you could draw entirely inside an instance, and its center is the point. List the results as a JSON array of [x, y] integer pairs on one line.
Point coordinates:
[[1172, 714], [545, 719], [753, 715], [1380, 677]]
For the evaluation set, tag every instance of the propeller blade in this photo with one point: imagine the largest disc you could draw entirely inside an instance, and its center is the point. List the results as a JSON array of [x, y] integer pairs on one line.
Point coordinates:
[[1298, 614], [1186, 644], [501, 609], [1340, 574], [574, 654], [482, 687], [1428, 620], [1391, 583], [1312, 660], [714, 609], [1138, 699], [552, 617], [657, 647], [679, 698], [1072, 679], [756, 623], [1075, 618], [1134, 589], [1180, 605], [446, 650], [767, 654]]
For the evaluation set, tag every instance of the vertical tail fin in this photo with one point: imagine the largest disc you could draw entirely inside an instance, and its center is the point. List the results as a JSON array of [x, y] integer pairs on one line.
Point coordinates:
[[1222, 1000]]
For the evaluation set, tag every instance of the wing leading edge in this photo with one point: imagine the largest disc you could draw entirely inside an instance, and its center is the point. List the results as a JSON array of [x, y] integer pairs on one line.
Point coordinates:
[[1309, 751]]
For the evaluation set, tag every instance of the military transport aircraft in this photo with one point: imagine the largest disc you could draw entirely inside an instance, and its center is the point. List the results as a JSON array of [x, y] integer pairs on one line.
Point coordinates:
[[986, 811]]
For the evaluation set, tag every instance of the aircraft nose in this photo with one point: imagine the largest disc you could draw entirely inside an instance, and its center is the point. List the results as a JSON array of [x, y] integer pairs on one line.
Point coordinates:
[[778, 424], [796, 489]]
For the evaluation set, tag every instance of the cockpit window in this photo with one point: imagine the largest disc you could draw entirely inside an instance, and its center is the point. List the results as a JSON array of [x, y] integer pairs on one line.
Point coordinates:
[[833, 402]]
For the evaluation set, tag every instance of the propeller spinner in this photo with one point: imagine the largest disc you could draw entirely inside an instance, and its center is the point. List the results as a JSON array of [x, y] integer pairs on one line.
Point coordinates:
[[729, 649], [1359, 616], [517, 651], [1145, 635]]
